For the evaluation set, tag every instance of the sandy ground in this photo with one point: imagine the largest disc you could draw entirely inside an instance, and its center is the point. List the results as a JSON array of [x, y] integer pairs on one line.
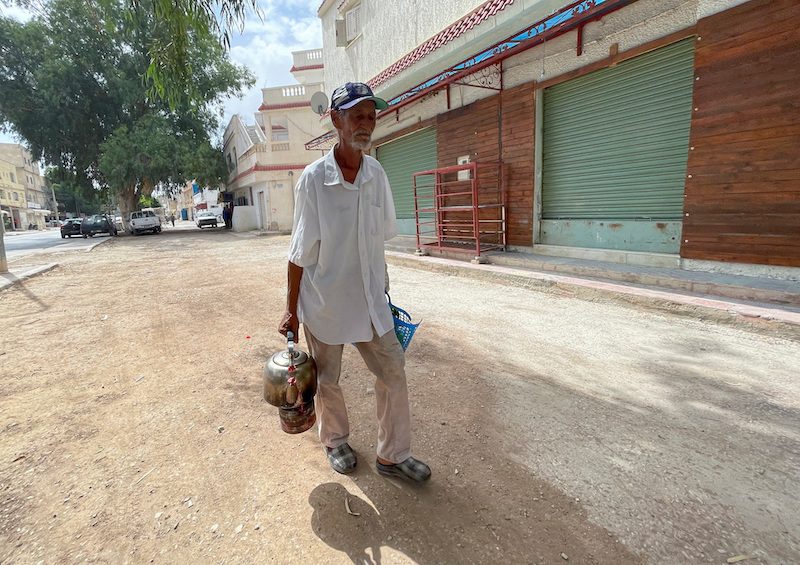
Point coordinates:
[[559, 429]]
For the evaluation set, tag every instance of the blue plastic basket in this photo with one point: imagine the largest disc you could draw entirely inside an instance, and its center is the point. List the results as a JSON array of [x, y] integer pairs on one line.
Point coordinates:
[[403, 327]]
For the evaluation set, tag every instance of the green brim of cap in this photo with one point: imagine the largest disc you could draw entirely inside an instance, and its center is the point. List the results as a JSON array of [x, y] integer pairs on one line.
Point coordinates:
[[380, 103]]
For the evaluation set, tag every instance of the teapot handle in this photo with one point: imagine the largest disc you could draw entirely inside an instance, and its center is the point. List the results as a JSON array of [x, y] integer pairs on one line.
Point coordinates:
[[290, 340]]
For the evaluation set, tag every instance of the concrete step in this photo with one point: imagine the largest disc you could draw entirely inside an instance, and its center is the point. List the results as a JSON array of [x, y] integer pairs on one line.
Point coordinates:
[[736, 287]]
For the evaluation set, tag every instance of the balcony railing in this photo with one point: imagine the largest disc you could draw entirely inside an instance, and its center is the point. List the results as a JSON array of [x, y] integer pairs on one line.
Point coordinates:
[[308, 58], [289, 94]]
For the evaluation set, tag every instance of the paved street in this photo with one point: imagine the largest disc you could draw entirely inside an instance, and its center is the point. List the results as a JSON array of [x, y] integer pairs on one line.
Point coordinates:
[[22, 244], [607, 431]]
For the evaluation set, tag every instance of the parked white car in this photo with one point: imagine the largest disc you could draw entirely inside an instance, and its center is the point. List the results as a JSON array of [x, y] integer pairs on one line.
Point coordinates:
[[142, 221], [206, 219]]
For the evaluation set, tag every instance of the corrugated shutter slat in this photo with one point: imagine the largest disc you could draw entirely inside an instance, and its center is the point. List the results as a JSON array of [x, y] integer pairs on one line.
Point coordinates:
[[616, 141], [403, 157]]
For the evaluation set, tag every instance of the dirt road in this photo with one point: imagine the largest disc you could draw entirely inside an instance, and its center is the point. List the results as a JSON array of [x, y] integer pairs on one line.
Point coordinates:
[[558, 428]]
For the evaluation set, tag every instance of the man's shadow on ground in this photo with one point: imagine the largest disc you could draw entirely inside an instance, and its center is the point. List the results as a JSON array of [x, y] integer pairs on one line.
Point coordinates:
[[351, 534], [425, 522]]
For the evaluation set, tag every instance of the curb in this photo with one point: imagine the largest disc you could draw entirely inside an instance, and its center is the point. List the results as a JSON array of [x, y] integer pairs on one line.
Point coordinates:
[[9, 279], [664, 281], [101, 242], [544, 281]]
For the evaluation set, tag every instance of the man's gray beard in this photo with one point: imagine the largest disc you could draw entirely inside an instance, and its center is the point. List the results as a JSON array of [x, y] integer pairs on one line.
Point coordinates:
[[364, 146]]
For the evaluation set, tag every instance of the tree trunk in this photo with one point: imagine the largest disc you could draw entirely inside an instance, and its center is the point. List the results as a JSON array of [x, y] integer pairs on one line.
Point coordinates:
[[127, 198]]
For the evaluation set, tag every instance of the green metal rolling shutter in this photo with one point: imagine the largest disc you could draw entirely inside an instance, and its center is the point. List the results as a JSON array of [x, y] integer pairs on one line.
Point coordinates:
[[403, 157], [616, 141]]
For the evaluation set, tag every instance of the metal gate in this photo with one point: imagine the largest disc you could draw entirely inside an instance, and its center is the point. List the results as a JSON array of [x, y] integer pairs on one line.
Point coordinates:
[[614, 153]]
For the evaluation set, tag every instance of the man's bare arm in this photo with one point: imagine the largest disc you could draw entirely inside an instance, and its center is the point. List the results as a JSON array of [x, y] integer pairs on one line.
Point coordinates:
[[289, 322]]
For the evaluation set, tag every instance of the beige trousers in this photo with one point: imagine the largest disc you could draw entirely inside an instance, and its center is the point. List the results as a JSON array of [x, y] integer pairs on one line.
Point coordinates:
[[385, 357]]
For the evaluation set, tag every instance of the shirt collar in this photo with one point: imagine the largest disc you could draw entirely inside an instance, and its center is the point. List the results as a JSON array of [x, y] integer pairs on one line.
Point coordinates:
[[333, 174]]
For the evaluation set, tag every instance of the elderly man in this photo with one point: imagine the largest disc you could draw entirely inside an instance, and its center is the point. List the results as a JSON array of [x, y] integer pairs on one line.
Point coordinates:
[[343, 214]]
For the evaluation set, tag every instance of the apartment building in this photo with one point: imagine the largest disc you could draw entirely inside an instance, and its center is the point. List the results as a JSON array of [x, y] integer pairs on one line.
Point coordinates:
[[31, 206], [266, 157]]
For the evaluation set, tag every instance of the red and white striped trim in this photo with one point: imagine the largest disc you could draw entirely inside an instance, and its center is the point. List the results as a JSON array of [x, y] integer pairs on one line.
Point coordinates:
[[284, 106], [267, 168], [451, 32], [306, 68]]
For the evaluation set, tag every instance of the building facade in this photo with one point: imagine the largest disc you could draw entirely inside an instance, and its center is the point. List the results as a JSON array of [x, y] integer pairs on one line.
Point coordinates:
[[661, 132], [266, 158], [12, 197], [30, 207]]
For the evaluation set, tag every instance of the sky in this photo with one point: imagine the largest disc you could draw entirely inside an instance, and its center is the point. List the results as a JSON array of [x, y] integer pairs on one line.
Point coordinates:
[[264, 46]]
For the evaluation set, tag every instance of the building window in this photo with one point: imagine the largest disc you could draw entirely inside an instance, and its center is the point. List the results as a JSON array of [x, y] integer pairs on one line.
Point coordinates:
[[12, 177], [16, 196], [352, 20], [279, 128]]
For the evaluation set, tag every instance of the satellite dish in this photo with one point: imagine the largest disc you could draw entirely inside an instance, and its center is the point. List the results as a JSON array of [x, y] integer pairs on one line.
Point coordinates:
[[319, 103]]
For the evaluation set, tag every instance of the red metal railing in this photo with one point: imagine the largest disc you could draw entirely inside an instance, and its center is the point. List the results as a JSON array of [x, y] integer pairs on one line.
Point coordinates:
[[461, 208]]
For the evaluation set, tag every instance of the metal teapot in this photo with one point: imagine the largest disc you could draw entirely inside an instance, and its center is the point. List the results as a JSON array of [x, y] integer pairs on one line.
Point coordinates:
[[290, 383]]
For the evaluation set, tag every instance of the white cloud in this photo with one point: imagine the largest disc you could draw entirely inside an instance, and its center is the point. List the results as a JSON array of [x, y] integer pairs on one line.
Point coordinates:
[[17, 13], [265, 47]]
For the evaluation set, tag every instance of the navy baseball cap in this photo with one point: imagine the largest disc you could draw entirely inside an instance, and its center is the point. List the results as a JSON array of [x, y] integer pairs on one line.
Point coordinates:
[[353, 93]]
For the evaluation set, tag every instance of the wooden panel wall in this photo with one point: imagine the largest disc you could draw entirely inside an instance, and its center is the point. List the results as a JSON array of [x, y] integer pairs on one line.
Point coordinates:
[[471, 130], [519, 113], [743, 177], [485, 128]]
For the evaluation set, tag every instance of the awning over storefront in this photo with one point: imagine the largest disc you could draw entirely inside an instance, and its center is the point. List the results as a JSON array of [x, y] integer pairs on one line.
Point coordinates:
[[574, 16]]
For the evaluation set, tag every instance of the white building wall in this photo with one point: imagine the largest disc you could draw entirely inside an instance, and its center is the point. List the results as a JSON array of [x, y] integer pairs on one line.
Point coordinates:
[[236, 143], [245, 218], [389, 34], [630, 27], [303, 125], [302, 63]]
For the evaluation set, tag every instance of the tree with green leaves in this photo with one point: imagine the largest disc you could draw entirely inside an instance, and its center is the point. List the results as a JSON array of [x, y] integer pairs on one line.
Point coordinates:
[[171, 64], [71, 84], [169, 72], [75, 197]]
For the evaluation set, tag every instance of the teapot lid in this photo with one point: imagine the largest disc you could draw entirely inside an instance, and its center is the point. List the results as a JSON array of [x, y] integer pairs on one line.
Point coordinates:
[[282, 358]]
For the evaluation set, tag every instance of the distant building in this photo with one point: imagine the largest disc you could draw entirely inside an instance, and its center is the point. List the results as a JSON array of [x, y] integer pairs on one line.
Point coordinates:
[[265, 159], [12, 197], [24, 197], [192, 199]]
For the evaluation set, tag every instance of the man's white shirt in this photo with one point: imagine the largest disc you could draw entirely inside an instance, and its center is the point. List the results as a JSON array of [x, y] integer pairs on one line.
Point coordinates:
[[338, 236]]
